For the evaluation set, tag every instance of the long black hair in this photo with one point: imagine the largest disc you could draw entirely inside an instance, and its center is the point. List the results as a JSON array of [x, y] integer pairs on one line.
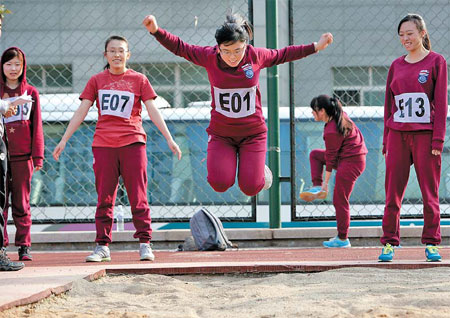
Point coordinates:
[[333, 108], [114, 37], [421, 26], [235, 28]]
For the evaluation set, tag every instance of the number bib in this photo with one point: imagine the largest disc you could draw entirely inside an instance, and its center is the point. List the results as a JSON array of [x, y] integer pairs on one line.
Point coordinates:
[[235, 102], [412, 108], [23, 111], [116, 103]]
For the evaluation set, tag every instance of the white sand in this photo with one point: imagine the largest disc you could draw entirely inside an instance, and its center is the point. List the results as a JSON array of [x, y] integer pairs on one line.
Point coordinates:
[[351, 292]]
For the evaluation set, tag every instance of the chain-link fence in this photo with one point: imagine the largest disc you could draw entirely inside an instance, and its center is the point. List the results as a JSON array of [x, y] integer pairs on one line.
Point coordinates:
[[355, 69], [64, 44]]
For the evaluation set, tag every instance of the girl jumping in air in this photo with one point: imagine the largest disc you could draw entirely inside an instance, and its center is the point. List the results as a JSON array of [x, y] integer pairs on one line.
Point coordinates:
[[119, 144], [415, 114], [237, 131], [345, 151]]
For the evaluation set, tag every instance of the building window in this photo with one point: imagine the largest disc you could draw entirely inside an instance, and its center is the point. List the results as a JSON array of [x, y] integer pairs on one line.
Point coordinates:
[[51, 78], [360, 85], [179, 83]]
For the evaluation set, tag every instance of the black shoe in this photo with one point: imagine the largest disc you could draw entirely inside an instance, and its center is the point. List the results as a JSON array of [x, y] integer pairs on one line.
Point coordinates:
[[24, 253], [7, 265]]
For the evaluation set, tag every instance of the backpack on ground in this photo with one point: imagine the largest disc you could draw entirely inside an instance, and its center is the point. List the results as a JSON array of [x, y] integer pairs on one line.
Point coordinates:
[[208, 232]]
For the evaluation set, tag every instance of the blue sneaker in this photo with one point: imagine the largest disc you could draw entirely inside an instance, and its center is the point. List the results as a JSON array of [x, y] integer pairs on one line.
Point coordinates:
[[313, 194], [387, 254], [432, 253], [337, 242]]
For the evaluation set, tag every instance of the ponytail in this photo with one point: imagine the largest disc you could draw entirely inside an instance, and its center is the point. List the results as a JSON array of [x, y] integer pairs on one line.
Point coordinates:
[[333, 108], [426, 42], [343, 125]]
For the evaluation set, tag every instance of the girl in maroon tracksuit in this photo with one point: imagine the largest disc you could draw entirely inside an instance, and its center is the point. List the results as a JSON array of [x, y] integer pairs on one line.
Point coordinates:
[[237, 129], [345, 151], [25, 145], [415, 114], [119, 144]]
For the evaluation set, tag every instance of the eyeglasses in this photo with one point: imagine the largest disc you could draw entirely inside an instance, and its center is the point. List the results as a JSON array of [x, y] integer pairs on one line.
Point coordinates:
[[118, 52], [235, 52]]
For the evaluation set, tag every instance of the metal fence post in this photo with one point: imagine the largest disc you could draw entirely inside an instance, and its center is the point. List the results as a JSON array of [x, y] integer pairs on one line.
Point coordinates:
[[273, 116]]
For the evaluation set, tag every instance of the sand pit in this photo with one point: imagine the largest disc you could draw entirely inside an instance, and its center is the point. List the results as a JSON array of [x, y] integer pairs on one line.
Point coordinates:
[[350, 292]]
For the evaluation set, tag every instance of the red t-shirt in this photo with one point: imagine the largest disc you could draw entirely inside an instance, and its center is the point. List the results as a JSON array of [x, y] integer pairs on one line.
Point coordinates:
[[118, 99]]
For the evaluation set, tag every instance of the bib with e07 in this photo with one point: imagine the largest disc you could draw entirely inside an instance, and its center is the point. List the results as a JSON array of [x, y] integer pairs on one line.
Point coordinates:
[[115, 103], [235, 102], [412, 108]]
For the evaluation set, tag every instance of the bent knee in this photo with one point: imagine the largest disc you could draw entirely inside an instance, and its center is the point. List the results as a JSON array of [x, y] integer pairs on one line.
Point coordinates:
[[251, 189], [220, 185]]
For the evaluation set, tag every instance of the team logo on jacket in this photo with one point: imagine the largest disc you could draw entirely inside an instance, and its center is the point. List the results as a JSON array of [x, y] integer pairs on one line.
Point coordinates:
[[423, 76], [248, 70]]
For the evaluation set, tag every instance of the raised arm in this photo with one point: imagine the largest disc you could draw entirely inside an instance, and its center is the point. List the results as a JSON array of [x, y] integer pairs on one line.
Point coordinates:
[[192, 53], [271, 57], [77, 118]]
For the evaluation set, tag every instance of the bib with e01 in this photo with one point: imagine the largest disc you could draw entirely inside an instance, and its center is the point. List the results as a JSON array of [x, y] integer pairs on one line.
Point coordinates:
[[115, 103], [412, 108], [235, 102]]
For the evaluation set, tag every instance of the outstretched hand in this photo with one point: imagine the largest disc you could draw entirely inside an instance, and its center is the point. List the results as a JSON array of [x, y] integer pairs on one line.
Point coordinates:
[[325, 40], [58, 149], [150, 24], [174, 148]]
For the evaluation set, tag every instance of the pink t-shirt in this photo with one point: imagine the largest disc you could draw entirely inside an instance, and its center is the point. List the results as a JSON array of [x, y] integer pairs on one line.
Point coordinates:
[[118, 99]]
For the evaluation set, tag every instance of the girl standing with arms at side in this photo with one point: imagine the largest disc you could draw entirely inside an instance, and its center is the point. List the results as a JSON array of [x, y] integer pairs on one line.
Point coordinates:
[[7, 108], [25, 137], [119, 144], [415, 114], [237, 130], [345, 151]]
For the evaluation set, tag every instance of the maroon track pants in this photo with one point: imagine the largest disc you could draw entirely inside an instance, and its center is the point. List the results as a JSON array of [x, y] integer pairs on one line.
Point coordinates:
[[19, 186], [130, 162], [223, 155], [403, 150], [348, 170]]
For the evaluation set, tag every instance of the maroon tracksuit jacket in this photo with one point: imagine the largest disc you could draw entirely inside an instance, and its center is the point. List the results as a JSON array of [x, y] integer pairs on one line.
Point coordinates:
[[26, 150]]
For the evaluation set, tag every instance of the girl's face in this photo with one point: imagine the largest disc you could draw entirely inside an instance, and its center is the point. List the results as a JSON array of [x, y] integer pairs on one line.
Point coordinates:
[[410, 37], [13, 69], [232, 54], [319, 115], [117, 54]]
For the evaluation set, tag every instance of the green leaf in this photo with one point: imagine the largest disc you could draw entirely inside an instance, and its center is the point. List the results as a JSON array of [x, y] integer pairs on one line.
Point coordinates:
[[3, 11]]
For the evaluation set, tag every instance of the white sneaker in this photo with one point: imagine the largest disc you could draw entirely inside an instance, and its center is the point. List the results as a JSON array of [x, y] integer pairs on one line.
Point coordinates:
[[101, 254], [145, 251], [268, 177]]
